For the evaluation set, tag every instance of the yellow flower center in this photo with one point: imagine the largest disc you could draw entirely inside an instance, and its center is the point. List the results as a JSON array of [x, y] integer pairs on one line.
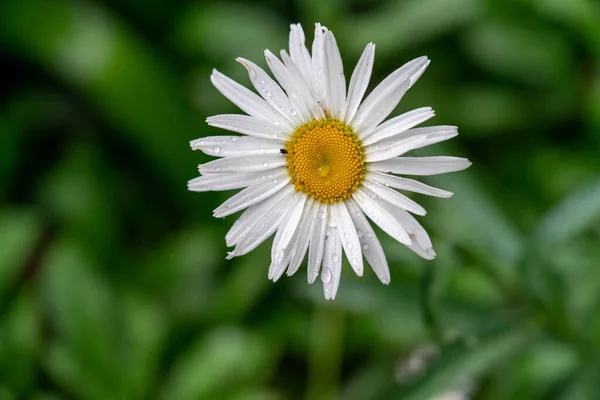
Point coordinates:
[[325, 160]]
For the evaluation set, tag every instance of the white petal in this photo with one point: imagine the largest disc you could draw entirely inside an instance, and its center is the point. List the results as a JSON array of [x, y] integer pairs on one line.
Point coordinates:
[[421, 165], [348, 237], [359, 81], [397, 125], [261, 231], [318, 65], [384, 151], [334, 78], [281, 248], [393, 197], [287, 229], [332, 264], [270, 91], [243, 164], [249, 126], [253, 214], [310, 101], [303, 235], [386, 96], [231, 181], [234, 146], [291, 80], [246, 100], [373, 209], [421, 243], [249, 196], [407, 184], [299, 52], [432, 134], [317, 242], [371, 248]]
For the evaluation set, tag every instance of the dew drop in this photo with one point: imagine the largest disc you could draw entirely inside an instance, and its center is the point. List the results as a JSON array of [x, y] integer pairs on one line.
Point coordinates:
[[335, 257], [359, 233], [274, 135], [217, 149], [326, 275], [293, 112], [365, 246], [265, 164], [322, 214], [349, 245], [369, 234]]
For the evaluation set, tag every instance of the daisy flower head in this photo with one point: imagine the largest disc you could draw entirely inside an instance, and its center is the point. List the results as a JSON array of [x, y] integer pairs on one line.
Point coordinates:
[[314, 160]]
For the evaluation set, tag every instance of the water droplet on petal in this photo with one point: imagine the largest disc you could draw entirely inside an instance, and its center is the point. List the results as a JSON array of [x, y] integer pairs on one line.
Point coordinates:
[[335, 257], [365, 246], [322, 214], [359, 233], [326, 275], [217, 149]]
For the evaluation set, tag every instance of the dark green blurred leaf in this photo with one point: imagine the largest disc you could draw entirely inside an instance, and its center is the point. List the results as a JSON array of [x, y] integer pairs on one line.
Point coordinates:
[[400, 25], [583, 386], [100, 350], [576, 213], [19, 234], [459, 364], [20, 344], [523, 50], [225, 31], [86, 47], [218, 363]]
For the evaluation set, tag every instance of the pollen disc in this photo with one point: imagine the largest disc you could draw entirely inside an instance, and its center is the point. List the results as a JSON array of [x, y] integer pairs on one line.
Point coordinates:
[[325, 160]]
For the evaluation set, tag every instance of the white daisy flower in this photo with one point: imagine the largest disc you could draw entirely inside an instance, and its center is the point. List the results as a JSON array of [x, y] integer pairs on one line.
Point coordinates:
[[314, 160]]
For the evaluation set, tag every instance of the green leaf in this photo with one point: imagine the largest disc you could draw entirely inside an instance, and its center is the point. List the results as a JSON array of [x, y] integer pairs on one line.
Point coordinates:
[[460, 363], [576, 213], [86, 47], [20, 344], [106, 342], [524, 50], [20, 231], [399, 25], [224, 31], [582, 386], [218, 363]]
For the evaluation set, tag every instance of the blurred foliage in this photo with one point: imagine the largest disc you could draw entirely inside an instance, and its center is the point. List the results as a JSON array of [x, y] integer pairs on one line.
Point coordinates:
[[113, 282]]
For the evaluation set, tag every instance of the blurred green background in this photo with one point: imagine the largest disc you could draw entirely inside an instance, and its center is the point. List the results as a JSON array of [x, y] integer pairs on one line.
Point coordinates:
[[113, 281]]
